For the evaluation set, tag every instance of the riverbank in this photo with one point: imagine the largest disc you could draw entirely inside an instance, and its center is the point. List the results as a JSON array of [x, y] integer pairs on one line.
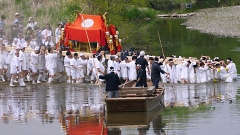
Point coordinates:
[[224, 21]]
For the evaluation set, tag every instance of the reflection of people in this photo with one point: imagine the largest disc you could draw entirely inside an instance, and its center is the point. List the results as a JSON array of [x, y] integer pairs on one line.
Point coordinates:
[[158, 125], [112, 81]]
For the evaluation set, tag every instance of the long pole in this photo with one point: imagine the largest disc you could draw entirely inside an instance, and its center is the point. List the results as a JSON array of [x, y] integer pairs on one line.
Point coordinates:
[[160, 43], [92, 58]]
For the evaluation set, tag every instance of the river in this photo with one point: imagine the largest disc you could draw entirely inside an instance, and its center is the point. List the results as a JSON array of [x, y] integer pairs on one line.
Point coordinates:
[[178, 40], [63, 109]]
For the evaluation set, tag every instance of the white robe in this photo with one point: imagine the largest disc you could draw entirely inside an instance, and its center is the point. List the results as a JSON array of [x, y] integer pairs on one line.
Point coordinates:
[[172, 78], [117, 68], [232, 70], [178, 72], [14, 65], [132, 72], [203, 74], [184, 71], [192, 77], [124, 70], [110, 64]]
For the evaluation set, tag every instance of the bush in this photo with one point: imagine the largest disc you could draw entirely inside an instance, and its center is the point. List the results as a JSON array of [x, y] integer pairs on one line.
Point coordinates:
[[134, 13]]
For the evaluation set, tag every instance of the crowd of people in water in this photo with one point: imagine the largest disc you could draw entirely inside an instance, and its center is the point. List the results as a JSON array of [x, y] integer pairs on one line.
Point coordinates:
[[49, 64]]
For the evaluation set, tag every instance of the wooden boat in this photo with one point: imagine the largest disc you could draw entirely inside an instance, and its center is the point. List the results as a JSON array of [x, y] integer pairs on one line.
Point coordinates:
[[139, 119], [135, 99]]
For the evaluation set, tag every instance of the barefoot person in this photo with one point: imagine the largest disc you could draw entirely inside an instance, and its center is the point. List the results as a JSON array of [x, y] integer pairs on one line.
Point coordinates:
[[16, 70]]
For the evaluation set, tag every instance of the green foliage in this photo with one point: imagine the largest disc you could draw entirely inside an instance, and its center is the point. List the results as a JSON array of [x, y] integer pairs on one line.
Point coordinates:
[[135, 13], [18, 1], [67, 10]]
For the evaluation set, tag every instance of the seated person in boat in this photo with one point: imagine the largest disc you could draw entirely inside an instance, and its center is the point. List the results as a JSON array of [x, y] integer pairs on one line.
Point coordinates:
[[140, 76], [112, 82], [155, 74]]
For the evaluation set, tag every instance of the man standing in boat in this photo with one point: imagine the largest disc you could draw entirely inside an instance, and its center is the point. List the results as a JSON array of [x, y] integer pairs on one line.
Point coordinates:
[[143, 62], [112, 82], [155, 72]]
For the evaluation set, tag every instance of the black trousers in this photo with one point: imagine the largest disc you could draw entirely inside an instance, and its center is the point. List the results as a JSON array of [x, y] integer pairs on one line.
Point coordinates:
[[144, 78]]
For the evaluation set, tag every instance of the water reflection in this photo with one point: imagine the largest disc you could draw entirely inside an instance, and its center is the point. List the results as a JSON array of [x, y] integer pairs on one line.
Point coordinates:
[[195, 94], [199, 108], [78, 109]]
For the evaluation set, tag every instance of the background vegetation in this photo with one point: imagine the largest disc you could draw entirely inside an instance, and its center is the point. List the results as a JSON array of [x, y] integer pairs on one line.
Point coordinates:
[[132, 17]]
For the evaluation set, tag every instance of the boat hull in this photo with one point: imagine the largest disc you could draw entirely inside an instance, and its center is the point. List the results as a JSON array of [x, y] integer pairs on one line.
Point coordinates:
[[133, 104]]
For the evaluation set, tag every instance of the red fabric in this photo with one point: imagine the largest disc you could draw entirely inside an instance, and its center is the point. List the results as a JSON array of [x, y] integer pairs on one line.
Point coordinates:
[[95, 32]]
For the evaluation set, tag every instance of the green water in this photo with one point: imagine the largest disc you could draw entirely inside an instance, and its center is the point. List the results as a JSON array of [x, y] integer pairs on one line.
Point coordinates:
[[178, 40]]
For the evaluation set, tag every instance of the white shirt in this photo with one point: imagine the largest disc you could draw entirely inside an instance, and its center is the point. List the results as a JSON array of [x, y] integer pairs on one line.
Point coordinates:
[[73, 62], [132, 72], [49, 43], [67, 61], [34, 58], [82, 63], [45, 34], [15, 62], [23, 57], [110, 64], [32, 25], [57, 35], [21, 41], [51, 60], [3, 57]]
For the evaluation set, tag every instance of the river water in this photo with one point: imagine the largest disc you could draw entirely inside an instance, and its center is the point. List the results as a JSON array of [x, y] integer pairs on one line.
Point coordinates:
[[62, 109], [178, 40]]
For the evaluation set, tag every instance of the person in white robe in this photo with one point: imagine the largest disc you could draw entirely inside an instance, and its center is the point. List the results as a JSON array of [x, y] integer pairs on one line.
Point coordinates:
[[58, 32], [46, 33], [23, 62], [81, 65], [202, 73], [124, 69], [16, 69], [117, 66], [99, 70], [231, 69], [184, 72], [132, 72], [74, 68], [31, 23], [51, 64], [48, 42], [34, 64], [178, 72], [221, 72], [67, 60], [20, 38], [90, 66], [192, 72], [110, 63], [15, 43], [3, 61], [171, 69]]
